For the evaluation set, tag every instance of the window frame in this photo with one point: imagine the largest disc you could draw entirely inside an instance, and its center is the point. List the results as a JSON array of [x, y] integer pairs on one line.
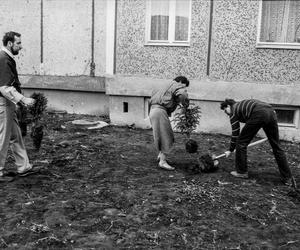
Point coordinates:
[[295, 123], [271, 45], [171, 34], [146, 107]]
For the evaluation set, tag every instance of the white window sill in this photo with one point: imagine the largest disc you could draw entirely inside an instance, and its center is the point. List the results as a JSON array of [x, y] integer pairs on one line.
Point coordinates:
[[273, 45], [169, 44]]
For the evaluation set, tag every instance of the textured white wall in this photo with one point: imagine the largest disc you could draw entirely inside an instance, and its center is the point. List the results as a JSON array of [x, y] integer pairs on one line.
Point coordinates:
[[234, 53], [67, 37], [67, 29], [100, 36], [135, 59], [23, 17]]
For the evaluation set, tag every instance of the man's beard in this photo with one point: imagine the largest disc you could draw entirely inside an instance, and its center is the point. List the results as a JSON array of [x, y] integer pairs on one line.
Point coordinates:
[[14, 52]]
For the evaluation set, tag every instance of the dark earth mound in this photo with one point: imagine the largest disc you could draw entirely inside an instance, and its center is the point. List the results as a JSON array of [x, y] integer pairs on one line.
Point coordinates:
[[102, 189]]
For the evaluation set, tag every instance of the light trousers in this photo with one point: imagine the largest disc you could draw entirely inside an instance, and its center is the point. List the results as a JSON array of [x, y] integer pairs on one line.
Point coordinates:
[[10, 136]]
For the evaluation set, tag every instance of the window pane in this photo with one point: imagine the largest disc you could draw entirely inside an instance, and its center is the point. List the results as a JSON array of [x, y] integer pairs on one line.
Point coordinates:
[[285, 116], [159, 19], [182, 20], [280, 21]]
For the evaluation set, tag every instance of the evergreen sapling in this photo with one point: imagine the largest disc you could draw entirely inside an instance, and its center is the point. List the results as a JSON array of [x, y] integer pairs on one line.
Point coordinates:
[[186, 121], [37, 113]]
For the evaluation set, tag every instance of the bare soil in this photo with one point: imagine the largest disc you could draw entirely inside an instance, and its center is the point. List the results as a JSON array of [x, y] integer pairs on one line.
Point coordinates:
[[102, 189]]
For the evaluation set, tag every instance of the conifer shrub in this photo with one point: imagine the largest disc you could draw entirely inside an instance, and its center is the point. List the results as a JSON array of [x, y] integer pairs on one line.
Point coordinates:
[[37, 113], [186, 121]]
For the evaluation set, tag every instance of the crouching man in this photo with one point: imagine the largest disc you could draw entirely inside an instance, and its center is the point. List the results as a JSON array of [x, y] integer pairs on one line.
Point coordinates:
[[256, 115]]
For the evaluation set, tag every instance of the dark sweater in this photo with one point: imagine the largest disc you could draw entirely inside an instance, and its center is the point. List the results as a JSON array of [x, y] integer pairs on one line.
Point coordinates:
[[241, 112], [8, 72]]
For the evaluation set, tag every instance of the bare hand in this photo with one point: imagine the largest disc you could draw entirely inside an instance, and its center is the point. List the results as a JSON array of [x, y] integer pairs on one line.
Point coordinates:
[[227, 153], [27, 101]]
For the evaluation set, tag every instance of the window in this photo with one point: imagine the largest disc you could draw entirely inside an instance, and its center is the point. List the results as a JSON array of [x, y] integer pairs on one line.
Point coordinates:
[[279, 24], [168, 22], [287, 117]]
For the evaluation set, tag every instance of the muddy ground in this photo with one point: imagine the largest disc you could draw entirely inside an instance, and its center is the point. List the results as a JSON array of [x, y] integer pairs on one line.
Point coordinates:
[[101, 189]]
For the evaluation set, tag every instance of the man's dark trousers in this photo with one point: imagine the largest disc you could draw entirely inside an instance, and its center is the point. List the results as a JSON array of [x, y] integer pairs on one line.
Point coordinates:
[[261, 117]]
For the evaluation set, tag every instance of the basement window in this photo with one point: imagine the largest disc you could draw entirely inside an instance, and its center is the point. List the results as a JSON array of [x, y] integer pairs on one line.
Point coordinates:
[[125, 107], [287, 117]]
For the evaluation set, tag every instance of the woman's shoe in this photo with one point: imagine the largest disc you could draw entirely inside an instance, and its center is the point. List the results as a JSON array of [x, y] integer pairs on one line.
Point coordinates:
[[239, 175], [165, 166]]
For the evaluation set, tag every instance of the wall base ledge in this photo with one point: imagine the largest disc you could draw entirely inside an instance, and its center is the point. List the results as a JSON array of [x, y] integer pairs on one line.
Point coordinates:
[[72, 83], [208, 90]]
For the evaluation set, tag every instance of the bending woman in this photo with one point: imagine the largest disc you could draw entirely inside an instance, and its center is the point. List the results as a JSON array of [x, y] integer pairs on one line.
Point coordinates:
[[163, 102]]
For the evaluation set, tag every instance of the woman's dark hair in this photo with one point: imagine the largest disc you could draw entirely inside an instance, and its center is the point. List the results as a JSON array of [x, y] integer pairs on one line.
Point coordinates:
[[183, 80], [9, 36], [227, 102]]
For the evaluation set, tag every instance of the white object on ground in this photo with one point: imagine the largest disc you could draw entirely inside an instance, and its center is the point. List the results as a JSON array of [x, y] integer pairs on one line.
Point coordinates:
[[100, 124], [84, 122]]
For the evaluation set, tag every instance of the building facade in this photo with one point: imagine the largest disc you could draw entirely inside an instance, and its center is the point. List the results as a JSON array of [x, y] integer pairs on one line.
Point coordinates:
[[227, 48], [106, 56]]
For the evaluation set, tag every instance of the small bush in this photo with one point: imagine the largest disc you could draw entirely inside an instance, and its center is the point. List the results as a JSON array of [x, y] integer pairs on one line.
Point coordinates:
[[191, 146], [186, 121], [37, 112]]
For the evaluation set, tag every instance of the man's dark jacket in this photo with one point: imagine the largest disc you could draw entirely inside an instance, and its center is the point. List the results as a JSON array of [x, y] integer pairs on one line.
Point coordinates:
[[8, 72]]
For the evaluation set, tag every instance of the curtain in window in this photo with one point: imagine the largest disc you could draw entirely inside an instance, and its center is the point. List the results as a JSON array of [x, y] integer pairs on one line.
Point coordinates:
[[182, 20], [280, 21], [159, 20]]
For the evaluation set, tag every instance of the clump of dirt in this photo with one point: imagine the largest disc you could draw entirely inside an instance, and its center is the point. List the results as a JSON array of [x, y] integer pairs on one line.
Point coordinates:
[[102, 189], [207, 164], [191, 146]]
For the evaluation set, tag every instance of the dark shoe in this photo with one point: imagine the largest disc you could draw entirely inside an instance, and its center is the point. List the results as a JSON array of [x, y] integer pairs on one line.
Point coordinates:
[[238, 175], [290, 182]]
